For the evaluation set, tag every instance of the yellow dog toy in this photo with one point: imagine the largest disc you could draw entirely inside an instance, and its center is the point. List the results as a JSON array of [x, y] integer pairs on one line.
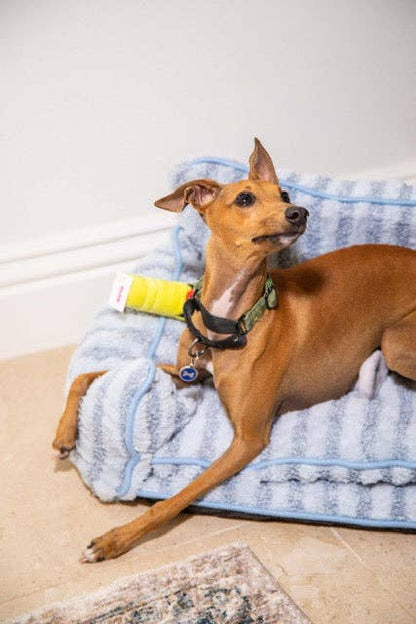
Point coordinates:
[[147, 294]]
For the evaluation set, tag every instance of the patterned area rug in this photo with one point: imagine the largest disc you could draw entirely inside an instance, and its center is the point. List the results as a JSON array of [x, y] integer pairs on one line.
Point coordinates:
[[224, 586]]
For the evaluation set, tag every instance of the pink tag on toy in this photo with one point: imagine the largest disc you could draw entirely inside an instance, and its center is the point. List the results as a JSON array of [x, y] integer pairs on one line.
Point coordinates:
[[119, 291]]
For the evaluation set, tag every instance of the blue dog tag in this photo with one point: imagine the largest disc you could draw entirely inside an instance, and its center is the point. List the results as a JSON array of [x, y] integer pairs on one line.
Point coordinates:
[[188, 373]]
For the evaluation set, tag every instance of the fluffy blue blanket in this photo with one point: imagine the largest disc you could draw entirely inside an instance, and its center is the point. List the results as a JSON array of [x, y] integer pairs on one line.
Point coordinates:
[[349, 461]]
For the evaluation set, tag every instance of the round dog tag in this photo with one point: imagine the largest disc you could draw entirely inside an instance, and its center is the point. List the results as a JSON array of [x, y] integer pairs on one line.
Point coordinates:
[[188, 373]]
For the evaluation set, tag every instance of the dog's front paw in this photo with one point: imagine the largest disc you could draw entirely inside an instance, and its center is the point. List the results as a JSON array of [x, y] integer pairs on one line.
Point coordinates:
[[108, 546], [63, 446], [65, 440]]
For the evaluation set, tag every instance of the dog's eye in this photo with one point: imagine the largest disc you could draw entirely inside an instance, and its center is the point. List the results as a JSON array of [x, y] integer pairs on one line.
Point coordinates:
[[245, 199], [285, 197]]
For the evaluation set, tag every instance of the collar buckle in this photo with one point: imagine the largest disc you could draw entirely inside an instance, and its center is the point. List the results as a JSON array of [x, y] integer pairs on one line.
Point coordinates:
[[241, 326]]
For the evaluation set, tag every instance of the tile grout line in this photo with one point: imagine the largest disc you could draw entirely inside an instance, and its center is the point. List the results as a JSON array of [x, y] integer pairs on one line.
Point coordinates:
[[346, 545], [215, 534], [25, 595]]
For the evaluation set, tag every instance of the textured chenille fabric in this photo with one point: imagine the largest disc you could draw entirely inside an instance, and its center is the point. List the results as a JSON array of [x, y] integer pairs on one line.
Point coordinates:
[[347, 461]]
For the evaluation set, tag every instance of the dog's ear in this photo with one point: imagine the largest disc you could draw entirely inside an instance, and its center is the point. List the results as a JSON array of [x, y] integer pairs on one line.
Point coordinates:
[[261, 165], [199, 193]]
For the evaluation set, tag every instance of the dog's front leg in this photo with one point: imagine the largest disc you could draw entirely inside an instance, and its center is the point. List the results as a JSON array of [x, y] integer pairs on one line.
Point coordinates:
[[244, 448], [66, 433]]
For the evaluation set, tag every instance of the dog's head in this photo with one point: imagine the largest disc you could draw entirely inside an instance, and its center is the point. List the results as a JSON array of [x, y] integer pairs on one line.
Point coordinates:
[[253, 217]]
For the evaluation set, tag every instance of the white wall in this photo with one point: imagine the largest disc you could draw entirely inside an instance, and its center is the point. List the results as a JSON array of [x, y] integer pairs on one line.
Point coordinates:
[[100, 98]]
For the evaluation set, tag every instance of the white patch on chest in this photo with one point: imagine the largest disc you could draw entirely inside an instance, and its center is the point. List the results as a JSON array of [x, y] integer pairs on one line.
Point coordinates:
[[224, 304]]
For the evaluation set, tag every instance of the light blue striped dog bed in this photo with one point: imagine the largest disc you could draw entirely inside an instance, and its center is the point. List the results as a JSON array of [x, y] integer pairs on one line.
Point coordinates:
[[349, 461]]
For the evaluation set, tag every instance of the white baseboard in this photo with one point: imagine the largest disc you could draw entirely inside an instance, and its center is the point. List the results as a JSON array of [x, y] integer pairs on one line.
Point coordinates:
[[50, 288]]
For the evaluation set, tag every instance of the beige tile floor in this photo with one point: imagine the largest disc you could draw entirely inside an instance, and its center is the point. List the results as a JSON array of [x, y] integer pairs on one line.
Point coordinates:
[[336, 575]]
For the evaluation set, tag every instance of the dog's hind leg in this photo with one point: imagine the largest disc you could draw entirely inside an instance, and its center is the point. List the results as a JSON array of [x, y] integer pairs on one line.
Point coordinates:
[[399, 346], [66, 433]]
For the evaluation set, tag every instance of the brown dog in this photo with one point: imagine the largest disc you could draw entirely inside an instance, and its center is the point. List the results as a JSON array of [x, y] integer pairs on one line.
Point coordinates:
[[332, 313]]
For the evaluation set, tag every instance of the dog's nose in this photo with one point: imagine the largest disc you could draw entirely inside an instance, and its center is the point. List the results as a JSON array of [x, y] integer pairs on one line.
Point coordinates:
[[296, 215]]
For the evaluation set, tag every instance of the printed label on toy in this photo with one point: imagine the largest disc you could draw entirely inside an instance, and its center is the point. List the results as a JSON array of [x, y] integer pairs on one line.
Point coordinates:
[[119, 291]]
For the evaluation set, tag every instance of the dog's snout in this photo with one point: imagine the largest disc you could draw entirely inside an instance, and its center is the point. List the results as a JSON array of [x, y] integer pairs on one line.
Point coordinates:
[[296, 215]]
